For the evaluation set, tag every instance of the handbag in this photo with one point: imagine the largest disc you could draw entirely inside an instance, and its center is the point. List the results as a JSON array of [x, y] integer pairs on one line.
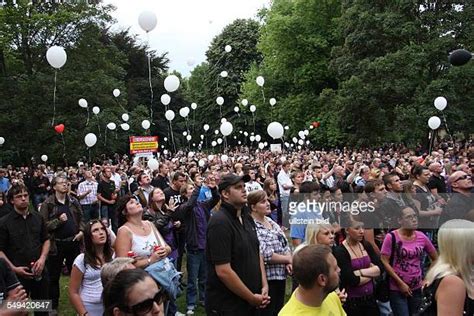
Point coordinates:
[[165, 273], [427, 308], [382, 283]]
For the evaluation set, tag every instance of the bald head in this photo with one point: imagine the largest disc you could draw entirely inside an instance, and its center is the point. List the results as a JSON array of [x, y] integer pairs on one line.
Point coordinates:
[[435, 167]]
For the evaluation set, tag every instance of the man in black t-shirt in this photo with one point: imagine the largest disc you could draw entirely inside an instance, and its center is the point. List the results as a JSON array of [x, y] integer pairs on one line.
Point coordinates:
[[161, 180], [236, 283], [107, 195]]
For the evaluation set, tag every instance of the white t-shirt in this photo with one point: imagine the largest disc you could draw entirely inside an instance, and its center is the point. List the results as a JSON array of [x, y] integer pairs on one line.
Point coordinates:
[[91, 286], [252, 186], [284, 178]]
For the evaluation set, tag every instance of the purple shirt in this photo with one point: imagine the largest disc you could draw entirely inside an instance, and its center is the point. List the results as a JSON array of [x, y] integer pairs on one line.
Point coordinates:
[[365, 289], [407, 258]]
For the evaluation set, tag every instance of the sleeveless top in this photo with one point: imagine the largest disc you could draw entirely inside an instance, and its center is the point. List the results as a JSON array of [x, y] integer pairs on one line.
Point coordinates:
[[364, 289], [432, 310], [142, 246]]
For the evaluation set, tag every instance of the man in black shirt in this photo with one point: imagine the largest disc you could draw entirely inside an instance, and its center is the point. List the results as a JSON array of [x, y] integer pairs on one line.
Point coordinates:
[[236, 283], [41, 187], [24, 244], [107, 195], [161, 181], [436, 183], [63, 216]]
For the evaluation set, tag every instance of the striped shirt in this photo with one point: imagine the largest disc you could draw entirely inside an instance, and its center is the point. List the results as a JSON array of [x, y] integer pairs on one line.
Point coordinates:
[[272, 241], [92, 196]]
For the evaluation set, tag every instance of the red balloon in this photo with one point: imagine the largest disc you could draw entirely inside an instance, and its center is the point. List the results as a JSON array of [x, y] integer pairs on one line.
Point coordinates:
[[59, 128], [316, 124]]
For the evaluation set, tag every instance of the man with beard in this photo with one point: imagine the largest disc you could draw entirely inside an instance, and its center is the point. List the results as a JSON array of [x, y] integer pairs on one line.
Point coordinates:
[[315, 268], [236, 283]]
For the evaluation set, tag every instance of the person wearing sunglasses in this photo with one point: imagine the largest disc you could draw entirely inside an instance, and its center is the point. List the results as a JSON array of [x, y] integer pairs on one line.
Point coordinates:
[[133, 292], [462, 199]]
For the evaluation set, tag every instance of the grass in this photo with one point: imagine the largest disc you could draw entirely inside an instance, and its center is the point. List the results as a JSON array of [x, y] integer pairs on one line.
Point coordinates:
[[65, 307]]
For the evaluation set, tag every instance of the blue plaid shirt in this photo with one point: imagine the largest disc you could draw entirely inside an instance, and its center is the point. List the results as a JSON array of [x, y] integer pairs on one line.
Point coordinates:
[[272, 241]]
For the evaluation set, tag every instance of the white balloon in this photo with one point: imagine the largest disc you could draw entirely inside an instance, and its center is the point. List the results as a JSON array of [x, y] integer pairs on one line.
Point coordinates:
[[210, 157], [245, 102], [147, 20], [171, 83], [311, 127], [301, 134], [307, 142], [273, 101], [224, 158], [236, 109], [96, 110], [194, 106], [260, 81], [165, 99], [301, 142], [261, 145], [252, 138], [219, 141], [56, 56], [434, 122], [153, 164], [253, 108], [201, 163], [165, 139], [190, 62], [125, 126], [258, 138], [239, 142], [83, 103], [214, 143], [216, 132], [223, 120], [169, 115], [206, 127], [246, 134], [184, 112], [224, 74], [185, 133], [228, 48], [306, 132], [44, 158], [125, 117], [440, 103], [226, 128], [90, 139], [146, 124], [2, 140], [275, 130], [287, 127], [202, 136], [220, 100], [295, 140], [116, 93], [111, 126], [189, 137]]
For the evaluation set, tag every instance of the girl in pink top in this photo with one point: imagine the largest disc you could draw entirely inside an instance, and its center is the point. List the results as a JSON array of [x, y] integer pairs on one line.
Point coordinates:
[[406, 272]]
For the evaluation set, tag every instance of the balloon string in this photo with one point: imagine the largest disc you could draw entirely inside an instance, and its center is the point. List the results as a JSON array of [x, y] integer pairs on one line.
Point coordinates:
[[151, 88], [447, 128], [87, 122], [98, 124], [172, 136], [64, 145], [105, 137], [120, 105], [54, 97]]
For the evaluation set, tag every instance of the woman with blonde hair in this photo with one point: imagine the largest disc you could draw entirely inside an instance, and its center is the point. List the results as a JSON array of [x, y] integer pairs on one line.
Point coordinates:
[[318, 234], [451, 277]]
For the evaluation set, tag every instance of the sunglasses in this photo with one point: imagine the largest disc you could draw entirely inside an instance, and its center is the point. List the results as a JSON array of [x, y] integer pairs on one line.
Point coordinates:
[[145, 306], [464, 177]]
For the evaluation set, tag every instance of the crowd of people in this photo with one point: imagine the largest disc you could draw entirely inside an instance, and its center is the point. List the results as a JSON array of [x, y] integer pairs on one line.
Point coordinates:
[[358, 232]]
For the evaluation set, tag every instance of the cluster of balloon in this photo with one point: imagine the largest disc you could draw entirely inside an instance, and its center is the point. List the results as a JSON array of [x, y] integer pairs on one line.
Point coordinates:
[[56, 57]]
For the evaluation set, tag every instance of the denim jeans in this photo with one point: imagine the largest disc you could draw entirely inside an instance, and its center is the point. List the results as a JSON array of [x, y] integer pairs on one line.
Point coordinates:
[[108, 211], [197, 275], [405, 305], [91, 211], [285, 200], [38, 198]]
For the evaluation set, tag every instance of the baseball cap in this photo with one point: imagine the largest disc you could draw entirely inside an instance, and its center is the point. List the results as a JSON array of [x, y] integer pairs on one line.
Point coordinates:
[[231, 179]]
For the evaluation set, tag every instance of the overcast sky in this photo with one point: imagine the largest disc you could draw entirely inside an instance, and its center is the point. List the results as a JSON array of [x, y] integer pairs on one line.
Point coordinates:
[[185, 27]]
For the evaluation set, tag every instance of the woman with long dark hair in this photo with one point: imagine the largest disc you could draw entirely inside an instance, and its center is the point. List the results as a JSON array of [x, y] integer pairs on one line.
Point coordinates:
[[85, 286]]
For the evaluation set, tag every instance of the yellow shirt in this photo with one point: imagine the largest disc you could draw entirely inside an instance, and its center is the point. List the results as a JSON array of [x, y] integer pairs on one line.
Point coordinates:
[[331, 306]]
